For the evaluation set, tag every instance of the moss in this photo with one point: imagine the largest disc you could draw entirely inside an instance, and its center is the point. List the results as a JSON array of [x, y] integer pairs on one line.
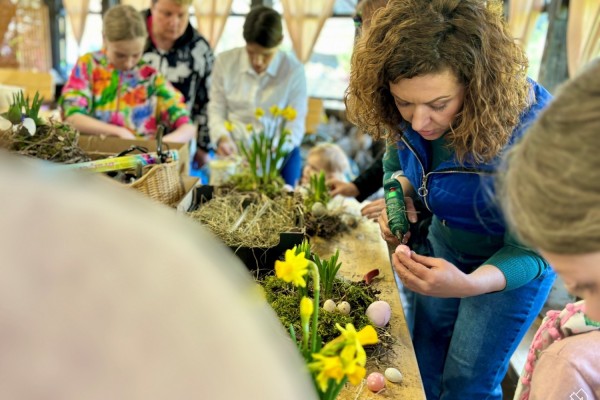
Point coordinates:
[[285, 300]]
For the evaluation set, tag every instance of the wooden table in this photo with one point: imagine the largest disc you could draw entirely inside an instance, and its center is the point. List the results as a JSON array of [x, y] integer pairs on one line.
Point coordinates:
[[361, 250]]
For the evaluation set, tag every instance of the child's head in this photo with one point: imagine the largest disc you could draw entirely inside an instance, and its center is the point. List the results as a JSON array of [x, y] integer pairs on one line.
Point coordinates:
[[551, 189], [124, 32], [327, 157]]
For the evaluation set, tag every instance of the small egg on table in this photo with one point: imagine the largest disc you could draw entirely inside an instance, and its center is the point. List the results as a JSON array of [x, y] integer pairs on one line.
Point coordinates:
[[375, 382]]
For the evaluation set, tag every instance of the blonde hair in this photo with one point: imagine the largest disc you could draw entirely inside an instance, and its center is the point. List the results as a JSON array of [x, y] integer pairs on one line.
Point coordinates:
[[467, 37], [334, 160], [178, 2], [122, 22], [551, 188]]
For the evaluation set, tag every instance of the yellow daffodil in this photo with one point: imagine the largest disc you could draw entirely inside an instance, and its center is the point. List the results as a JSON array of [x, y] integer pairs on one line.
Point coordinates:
[[327, 368], [351, 343], [249, 127], [259, 112], [355, 372], [293, 268], [367, 335], [275, 111], [306, 309], [228, 126], [289, 113]]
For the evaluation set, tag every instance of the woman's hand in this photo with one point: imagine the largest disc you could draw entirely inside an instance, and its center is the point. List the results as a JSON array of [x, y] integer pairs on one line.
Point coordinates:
[[429, 275], [373, 209], [439, 278], [226, 147], [347, 189], [386, 233]]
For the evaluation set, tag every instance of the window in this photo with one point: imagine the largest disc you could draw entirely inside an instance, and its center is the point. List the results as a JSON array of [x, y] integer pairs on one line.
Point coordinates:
[[91, 39], [328, 70]]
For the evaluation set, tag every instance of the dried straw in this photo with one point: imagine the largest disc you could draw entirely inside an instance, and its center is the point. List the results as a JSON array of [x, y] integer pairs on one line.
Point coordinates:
[[53, 141], [248, 219]]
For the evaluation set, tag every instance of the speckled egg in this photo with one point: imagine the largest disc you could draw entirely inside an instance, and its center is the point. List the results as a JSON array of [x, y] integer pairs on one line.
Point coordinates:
[[375, 382], [344, 307], [329, 305], [393, 375], [379, 313]]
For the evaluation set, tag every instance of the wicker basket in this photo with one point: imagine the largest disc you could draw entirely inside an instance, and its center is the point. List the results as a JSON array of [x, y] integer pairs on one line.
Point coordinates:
[[161, 182]]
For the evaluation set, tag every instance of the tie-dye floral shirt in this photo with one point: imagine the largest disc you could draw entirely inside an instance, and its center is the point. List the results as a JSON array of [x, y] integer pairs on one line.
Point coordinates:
[[137, 99]]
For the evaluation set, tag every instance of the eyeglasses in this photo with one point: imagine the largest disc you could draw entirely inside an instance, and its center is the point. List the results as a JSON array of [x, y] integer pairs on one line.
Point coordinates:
[[357, 20]]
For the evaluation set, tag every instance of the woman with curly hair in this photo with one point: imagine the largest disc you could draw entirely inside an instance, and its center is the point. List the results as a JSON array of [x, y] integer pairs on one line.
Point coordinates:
[[446, 81]]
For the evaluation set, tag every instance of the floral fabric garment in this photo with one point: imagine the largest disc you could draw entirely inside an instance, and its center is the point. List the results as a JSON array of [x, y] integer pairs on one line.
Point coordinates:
[[138, 99]]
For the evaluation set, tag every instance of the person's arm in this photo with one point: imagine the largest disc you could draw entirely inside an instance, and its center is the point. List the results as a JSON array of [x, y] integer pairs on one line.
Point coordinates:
[[517, 264], [390, 160], [298, 100], [217, 106], [202, 51], [171, 109], [183, 134], [370, 180], [91, 126], [511, 267]]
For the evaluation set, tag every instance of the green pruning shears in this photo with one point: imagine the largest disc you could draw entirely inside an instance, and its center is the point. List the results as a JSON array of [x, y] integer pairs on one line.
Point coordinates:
[[395, 207]]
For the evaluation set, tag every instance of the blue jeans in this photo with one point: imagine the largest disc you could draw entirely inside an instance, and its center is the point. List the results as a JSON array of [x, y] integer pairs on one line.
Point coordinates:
[[463, 346], [292, 167]]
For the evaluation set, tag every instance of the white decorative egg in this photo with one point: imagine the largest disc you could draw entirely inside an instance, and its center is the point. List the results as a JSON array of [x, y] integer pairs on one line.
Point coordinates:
[[318, 209], [393, 375], [379, 313], [329, 305], [344, 307]]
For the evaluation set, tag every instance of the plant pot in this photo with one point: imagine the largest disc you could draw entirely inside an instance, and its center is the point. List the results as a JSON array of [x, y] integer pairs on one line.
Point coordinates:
[[257, 259]]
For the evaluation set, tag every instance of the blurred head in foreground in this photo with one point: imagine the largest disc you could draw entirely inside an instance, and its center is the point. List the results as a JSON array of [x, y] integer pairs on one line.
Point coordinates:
[[551, 190], [106, 295]]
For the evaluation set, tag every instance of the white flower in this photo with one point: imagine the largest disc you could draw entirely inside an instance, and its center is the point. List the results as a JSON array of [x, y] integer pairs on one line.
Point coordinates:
[[29, 124]]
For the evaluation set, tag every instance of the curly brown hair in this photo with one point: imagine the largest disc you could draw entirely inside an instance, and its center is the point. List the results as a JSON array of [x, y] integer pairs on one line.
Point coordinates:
[[418, 37]]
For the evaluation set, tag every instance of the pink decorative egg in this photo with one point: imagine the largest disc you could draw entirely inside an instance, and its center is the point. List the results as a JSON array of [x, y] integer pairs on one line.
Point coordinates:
[[379, 313], [403, 249], [375, 382]]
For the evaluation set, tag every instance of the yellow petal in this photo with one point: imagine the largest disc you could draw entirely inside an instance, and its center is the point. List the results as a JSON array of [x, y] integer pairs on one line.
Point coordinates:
[[367, 335], [356, 374], [306, 308], [275, 111]]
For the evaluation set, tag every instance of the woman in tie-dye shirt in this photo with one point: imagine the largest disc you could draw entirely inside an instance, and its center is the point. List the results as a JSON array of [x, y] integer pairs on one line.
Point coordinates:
[[113, 92]]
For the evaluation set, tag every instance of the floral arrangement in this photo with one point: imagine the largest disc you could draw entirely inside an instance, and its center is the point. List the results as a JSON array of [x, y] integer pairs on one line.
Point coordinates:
[[25, 132], [343, 358], [266, 150]]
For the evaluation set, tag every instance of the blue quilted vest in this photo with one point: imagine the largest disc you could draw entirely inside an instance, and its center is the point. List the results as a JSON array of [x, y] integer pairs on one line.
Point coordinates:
[[462, 195]]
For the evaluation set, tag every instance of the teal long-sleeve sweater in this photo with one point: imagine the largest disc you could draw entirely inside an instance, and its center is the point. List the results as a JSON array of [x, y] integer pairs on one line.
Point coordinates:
[[518, 263]]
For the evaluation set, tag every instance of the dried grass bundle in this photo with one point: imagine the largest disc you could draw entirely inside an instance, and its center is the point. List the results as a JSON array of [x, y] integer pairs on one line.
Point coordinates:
[[249, 219], [53, 141]]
